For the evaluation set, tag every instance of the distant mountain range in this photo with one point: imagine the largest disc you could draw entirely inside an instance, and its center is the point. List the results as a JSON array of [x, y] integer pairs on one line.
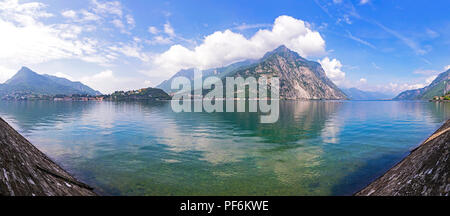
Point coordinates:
[[357, 94], [440, 86], [189, 73], [299, 78], [26, 81]]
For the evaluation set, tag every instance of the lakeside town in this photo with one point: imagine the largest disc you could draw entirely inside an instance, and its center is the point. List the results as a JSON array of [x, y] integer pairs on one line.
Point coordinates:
[[140, 94]]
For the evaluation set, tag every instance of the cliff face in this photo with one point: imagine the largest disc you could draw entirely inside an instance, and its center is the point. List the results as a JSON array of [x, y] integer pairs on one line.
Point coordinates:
[[299, 78], [425, 172], [25, 171]]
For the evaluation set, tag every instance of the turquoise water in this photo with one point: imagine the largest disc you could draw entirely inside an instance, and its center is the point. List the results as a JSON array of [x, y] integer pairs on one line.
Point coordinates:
[[316, 148]]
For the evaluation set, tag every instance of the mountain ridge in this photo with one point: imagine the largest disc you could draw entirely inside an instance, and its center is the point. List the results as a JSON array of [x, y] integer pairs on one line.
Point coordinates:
[[299, 78], [26, 81], [358, 94], [436, 88]]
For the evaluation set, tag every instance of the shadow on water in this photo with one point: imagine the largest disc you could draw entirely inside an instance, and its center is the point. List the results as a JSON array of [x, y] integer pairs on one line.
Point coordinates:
[[365, 174]]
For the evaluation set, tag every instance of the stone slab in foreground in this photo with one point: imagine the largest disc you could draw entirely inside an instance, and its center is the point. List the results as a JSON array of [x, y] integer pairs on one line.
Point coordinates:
[[26, 171], [425, 172]]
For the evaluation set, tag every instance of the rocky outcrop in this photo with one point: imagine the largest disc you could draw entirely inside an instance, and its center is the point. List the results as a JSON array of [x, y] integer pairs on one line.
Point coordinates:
[[425, 172], [299, 78], [26, 171]]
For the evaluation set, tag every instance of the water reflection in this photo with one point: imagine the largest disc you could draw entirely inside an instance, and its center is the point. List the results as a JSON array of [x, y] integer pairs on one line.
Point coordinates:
[[316, 148]]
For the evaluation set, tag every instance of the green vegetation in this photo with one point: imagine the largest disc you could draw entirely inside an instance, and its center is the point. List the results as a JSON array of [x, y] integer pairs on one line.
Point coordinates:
[[141, 94]]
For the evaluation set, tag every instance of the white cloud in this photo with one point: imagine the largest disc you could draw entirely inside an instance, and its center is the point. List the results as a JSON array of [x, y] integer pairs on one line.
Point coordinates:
[[252, 26], [87, 16], [22, 14], [107, 82], [160, 40], [119, 24], [153, 30], [69, 14], [430, 79], [168, 29], [81, 16], [26, 39], [225, 47], [425, 72], [363, 2], [407, 41], [376, 66], [359, 40], [130, 21], [131, 50], [333, 69], [6, 73], [103, 81], [63, 75], [432, 34], [447, 67], [108, 7], [34, 42], [400, 87], [363, 81]]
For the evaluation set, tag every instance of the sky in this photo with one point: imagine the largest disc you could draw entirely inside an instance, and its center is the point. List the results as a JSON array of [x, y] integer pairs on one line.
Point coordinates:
[[375, 45]]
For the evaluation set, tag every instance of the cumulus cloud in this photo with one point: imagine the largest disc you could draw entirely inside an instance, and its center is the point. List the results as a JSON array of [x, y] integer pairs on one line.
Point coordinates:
[[26, 40], [333, 69], [108, 82], [225, 47], [400, 87]]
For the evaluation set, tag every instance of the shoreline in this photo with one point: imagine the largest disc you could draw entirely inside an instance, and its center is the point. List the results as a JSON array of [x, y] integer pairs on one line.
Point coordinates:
[[424, 172]]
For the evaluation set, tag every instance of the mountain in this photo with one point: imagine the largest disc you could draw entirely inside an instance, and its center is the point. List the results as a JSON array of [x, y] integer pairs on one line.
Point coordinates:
[[357, 94], [189, 73], [299, 78], [438, 87], [26, 81]]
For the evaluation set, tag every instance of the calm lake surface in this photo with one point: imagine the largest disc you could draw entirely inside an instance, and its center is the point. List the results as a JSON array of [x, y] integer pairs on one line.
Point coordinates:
[[138, 148]]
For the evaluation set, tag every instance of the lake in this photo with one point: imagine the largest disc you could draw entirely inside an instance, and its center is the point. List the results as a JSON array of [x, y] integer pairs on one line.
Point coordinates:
[[143, 148]]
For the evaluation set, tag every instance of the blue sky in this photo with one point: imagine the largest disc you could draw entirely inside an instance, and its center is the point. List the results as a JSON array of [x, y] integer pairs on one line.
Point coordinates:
[[374, 45]]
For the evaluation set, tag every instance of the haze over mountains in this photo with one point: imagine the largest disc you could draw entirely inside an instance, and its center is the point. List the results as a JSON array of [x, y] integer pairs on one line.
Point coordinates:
[[26, 81], [439, 87], [299, 78], [357, 94]]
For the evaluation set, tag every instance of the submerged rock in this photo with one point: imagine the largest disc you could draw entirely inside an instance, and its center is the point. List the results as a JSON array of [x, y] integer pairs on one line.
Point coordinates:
[[425, 172], [26, 171]]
